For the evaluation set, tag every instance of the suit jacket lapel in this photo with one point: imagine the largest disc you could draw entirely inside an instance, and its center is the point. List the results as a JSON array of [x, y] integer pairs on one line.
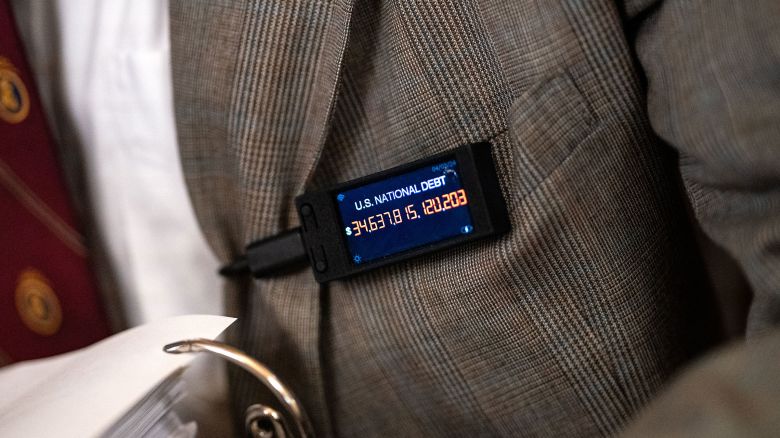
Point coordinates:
[[252, 106]]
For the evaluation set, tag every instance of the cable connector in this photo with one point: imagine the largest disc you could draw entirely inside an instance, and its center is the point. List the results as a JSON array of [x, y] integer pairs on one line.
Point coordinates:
[[269, 256]]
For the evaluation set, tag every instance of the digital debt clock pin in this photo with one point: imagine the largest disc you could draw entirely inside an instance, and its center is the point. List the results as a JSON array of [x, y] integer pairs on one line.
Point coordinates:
[[388, 217]]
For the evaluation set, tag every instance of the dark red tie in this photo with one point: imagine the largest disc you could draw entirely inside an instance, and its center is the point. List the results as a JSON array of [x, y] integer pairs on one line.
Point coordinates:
[[49, 302]]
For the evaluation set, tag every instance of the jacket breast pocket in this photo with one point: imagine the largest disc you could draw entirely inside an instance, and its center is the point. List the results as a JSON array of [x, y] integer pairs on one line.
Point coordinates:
[[546, 124]]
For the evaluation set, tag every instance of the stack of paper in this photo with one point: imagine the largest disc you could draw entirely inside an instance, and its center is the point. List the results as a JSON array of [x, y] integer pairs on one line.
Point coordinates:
[[124, 386]]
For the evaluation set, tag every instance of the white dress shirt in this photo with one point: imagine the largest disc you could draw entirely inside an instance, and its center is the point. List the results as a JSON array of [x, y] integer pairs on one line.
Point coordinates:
[[115, 76], [109, 60]]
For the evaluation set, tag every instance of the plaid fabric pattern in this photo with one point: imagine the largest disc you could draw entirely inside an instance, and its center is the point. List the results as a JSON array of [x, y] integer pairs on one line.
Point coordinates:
[[566, 326]]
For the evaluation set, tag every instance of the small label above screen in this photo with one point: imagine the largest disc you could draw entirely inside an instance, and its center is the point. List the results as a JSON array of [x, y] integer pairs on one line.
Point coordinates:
[[406, 211]]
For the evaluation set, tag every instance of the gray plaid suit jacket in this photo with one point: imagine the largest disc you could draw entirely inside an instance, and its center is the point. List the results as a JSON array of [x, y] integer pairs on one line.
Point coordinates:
[[573, 321]]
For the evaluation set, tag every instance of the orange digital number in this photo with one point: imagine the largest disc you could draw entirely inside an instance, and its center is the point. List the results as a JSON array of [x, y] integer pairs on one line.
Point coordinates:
[[427, 206], [436, 204], [389, 217], [356, 228], [462, 197], [446, 204], [397, 216], [411, 213], [454, 199], [372, 226]]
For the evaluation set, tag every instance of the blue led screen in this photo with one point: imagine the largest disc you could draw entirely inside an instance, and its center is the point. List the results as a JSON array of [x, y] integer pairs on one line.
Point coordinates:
[[405, 211]]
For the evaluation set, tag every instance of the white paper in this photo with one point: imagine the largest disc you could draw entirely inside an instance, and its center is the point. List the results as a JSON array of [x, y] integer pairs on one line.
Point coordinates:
[[82, 393]]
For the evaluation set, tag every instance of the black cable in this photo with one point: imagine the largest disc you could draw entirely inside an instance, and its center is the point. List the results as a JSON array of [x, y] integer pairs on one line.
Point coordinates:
[[236, 267], [269, 256]]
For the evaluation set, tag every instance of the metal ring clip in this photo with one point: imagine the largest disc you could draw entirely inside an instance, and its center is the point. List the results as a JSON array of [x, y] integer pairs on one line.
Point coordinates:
[[262, 421]]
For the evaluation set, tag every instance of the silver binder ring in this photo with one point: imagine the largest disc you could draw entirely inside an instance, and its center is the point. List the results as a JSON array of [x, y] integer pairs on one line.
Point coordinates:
[[261, 421]]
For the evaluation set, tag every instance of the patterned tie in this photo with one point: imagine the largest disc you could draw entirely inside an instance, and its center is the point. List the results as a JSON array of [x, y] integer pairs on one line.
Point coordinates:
[[49, 302]]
